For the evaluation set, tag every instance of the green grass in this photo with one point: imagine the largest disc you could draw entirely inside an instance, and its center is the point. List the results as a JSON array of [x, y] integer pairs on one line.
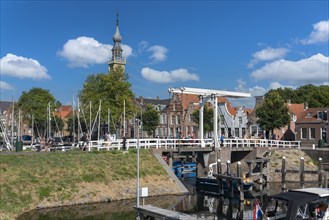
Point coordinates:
[[27, 180]]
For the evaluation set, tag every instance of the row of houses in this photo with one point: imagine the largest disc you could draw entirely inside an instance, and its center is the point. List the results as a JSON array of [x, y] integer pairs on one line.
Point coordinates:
[[308, 125]]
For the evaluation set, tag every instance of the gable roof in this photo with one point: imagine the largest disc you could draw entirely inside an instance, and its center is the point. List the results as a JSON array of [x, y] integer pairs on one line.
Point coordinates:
[[186, 99], [295, 109], [65, 111], [310, 115]]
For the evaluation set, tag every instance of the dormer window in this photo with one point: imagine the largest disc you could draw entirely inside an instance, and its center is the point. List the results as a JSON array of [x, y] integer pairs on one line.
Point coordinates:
[[322, 115], [309, 115], [294, 118]]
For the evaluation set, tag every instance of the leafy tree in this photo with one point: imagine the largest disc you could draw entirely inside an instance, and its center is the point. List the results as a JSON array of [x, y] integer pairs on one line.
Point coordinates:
[[151, 119], [112, 89], [315, 96], [208, 119], [272, 113], [35, 103]]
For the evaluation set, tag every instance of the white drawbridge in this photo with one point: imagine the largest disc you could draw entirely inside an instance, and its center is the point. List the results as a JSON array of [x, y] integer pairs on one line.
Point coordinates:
[[208, 95]]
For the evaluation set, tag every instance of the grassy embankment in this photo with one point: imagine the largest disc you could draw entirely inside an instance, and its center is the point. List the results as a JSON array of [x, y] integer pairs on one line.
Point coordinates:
[[54, 179]]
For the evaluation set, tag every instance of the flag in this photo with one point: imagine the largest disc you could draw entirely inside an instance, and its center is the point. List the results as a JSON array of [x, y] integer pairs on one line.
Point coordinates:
[[257, 210]]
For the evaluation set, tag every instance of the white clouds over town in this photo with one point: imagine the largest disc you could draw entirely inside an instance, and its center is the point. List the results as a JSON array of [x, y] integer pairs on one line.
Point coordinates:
[[6, 86], [268, 54], [22, 67], [309, 70], [320, 33], [86, 51], [159, 53], [168, 76]]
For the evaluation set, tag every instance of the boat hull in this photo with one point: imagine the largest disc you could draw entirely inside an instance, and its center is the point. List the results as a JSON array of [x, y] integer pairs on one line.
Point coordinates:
[[210, 185]]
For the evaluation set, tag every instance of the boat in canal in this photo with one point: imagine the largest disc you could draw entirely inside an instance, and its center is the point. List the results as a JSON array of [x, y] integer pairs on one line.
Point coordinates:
[[209, 184], [307, 203], [185, 169]]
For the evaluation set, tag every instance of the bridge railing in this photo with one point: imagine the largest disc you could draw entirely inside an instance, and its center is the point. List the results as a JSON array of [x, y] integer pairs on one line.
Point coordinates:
[[260, 143], [148, 143], [174, 143]]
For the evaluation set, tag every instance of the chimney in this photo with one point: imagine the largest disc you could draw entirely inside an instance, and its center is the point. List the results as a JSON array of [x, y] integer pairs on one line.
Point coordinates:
[[305, 105], [288, 101], [141, 100]]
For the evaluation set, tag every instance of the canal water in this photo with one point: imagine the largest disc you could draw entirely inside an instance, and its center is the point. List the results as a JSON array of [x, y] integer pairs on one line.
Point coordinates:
[[196, 204]]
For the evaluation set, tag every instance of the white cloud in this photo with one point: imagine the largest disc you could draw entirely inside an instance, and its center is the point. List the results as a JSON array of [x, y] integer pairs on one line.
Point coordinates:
[[248, 102], [159, 53], [319, 34], [310, 70], [142, 46], [268, 54], [167, 77], [6, 86], [22, 67], [257, 91], [86, 51]]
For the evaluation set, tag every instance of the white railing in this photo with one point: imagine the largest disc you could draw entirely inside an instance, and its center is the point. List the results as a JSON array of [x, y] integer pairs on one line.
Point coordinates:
[[260, 143], [175, 143], [148, 143]]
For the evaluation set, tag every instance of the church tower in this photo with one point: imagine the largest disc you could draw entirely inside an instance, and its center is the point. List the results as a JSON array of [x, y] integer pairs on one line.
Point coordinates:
[[117, 61]]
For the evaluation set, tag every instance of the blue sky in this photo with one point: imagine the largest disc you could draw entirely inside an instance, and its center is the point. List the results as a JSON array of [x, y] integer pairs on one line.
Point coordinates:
[[245, 46]]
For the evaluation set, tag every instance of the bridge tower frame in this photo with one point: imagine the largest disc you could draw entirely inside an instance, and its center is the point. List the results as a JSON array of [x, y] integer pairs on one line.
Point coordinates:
[[208, 95]]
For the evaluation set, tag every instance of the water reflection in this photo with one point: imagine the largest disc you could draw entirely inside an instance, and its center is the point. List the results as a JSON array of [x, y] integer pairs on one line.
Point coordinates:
[[199, 205]]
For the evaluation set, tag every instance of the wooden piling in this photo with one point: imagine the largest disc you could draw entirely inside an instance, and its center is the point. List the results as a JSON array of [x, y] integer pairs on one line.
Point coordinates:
[[283, 174], [302, 173], [320, 172], [220, 180], [229, 181], [250, 170], [261, 173], [238, 168]]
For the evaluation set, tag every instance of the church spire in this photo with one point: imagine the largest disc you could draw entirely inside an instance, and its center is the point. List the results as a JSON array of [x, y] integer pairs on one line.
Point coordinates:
[[117, 59]]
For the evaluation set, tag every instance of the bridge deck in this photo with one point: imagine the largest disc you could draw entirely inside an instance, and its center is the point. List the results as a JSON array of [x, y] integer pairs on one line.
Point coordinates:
[[159, 213]]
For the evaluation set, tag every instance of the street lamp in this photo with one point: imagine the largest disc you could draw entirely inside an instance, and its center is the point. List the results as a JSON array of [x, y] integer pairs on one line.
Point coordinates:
[[137, 187], [139, 122]]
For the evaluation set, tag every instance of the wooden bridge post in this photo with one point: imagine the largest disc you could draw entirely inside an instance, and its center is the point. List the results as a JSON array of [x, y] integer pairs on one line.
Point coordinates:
[[250, 170], [320, 169], [240, 182], [220, 180], [283, 174], [238, 169], [261, 172], [229, 181], [302, 172]]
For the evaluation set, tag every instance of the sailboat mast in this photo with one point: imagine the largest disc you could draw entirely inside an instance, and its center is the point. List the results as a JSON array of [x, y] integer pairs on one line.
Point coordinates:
[[124, 118], [49, 123], [99, 118], [108, 120], [78, 120], [19, 125], [32, 141], [12, 123], [73, 120], [90, 120]]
